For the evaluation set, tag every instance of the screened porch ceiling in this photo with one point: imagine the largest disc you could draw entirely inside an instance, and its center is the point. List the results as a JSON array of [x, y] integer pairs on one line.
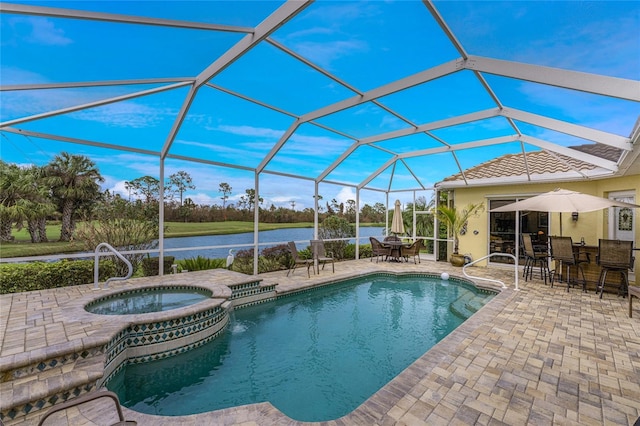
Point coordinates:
[[389, 96]]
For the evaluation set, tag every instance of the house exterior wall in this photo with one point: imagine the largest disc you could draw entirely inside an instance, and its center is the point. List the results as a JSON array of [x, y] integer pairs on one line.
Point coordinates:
[[592, 226]]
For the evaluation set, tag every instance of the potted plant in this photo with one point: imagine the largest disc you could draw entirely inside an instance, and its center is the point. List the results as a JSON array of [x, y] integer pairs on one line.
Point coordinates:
[[457, 222]]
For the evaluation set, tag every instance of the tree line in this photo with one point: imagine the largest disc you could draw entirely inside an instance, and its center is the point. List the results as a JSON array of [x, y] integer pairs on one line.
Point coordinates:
[[68, 189]]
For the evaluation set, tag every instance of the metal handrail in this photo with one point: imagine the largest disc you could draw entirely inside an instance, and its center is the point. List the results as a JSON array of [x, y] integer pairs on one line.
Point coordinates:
[[97, 253], [515, 267], [89, 397]]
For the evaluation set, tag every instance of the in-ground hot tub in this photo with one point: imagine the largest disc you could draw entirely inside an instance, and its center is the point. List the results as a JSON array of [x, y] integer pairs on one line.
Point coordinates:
[[146, 300]]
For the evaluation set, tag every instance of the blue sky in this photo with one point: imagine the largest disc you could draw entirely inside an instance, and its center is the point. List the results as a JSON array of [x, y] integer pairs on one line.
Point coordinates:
[[366, 45]]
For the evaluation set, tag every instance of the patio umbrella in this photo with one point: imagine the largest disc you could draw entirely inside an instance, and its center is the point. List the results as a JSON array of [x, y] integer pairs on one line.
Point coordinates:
[[397, 225], [562, 200], [559, 201]]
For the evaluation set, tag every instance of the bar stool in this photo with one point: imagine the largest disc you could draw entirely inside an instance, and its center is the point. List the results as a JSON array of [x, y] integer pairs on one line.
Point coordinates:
[[615, 256], [562, 251], [533, 257]]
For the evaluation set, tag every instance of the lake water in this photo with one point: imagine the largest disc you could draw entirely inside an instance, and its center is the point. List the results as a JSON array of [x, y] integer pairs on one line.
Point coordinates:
[[277, 236]]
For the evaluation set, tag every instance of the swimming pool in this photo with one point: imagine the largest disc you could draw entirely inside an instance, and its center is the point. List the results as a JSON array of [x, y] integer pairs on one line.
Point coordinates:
[[146, 300], [315, 356]]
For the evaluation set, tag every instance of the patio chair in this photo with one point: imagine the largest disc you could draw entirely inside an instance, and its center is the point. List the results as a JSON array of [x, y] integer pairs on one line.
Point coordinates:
[[378, 249], [297, 260], [533, 257], [614, 256], [413, 250], [395, 247], [89, 397], [562, 252], [321, 255]]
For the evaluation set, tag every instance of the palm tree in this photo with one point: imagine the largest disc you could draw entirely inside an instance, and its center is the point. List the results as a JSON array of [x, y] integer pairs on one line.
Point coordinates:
[[424, 221], [73, 180], [35, 205], [457, 220], [9, 197]]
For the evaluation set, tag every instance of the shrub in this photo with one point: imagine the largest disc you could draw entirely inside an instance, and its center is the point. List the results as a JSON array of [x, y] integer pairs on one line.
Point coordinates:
[[270, 259], [243, 262], [123, 226], [307, 254], [201, 263], [32, 276], [334, 227], [278, 257], [350, 251], [150, 265]]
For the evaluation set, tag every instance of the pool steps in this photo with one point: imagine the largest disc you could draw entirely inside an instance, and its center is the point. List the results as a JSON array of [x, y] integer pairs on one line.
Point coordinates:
[[467, 305]]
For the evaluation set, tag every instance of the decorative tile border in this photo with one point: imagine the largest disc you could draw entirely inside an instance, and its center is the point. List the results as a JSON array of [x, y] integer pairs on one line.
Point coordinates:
[[171, 330], [59, 361], [23, 410], [163, 354]]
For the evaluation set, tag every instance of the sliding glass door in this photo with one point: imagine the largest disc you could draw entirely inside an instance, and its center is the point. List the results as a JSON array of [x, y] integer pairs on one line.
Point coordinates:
[[502, 230]]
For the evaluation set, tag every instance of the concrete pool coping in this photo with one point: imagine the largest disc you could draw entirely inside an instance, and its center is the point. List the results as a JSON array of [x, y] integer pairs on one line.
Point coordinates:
[[539, 355]]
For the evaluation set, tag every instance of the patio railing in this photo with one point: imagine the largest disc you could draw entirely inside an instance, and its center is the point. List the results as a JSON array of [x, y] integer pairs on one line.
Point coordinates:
[[515, 268]]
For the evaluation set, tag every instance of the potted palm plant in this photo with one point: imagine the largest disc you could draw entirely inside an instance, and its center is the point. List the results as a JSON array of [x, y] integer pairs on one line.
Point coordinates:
[[456, 222]]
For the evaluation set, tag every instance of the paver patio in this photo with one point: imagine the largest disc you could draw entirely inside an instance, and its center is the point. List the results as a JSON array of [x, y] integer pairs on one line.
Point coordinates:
[[535, 356]]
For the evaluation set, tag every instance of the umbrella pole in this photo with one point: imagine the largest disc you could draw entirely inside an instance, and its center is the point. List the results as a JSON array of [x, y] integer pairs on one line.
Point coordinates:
[[517, 245], [560, 224]]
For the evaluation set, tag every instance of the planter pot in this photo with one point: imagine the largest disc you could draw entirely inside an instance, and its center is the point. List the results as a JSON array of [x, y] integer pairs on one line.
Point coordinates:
[[457, 259]]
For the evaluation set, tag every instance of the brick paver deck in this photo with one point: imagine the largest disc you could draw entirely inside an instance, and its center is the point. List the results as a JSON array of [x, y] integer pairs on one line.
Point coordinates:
[[535, 356]]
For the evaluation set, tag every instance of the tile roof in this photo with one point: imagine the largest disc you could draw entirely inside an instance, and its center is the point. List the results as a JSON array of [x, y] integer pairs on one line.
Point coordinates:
[[538, 162]]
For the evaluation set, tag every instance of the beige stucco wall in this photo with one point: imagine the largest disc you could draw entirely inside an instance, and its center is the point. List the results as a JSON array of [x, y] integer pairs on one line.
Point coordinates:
[[592, 226]]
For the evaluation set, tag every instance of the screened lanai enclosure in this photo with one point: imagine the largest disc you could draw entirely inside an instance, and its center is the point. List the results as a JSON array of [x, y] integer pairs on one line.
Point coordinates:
[[308, 101]]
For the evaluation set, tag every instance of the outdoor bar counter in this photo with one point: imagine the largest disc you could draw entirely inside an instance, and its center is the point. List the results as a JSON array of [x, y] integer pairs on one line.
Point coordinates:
[[591, 270]]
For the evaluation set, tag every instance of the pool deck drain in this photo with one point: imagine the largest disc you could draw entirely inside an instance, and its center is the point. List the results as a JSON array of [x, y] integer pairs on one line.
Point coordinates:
[[535, 356]]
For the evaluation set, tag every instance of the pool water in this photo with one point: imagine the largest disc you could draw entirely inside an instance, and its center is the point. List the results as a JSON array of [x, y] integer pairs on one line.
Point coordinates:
[[316, 356], [143, 301]]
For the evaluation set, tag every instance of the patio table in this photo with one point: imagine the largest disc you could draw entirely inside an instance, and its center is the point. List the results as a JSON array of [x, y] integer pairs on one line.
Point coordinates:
[[395, 253]]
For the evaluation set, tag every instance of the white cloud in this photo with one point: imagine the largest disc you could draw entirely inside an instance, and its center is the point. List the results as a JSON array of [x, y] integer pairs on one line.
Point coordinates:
[[346, 193], [14, 75], [202, 198], [261, 132], [125, 114], [118, 188], [609, 115], [38, 30], [129, 114], [324, 53]]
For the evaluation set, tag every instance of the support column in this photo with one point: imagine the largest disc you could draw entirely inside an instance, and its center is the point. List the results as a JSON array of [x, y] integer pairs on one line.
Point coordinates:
[[161, 220], [256, 223]]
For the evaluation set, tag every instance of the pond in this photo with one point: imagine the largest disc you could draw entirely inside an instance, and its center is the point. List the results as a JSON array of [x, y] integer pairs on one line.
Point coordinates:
[[274, 236]]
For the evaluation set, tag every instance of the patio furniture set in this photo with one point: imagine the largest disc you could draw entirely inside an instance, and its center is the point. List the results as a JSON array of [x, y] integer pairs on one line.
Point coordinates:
[[391, 248], [610, 256], [320, 256], [394, 249]]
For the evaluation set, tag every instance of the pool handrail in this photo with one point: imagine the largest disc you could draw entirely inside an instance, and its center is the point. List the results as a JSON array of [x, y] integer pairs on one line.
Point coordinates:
[[515, 267], [89, 397], [96, 266]]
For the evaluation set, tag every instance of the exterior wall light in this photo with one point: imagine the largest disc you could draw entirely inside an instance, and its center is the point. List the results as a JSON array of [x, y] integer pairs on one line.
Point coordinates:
[[574, 216]]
